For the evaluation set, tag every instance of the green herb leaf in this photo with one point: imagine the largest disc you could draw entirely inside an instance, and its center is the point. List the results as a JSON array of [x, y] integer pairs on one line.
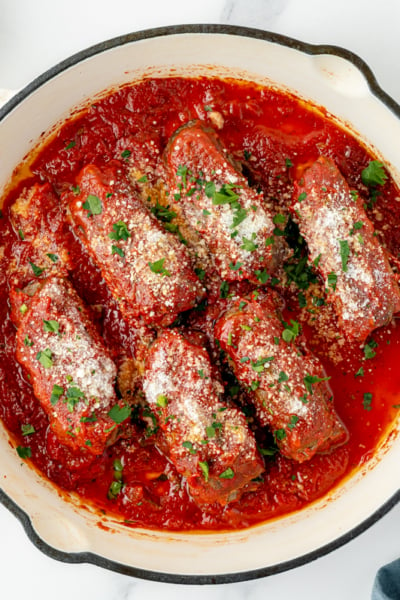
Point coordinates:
[[163, 213], [56, 393], [120, 231], [27, 429], [143, 179], [374, 174], [302, 197], [227, 474], [205, 469], [248, 244], [28, 342], [332, 280], [117, 250], [344, 253], [291, 331], [162, 400], [262, 276], [277, 219], [158, 267], [37, 271], [368, 349], [45, 357], [259, 365], [70, 145], [288, 163], [93, 205], [119, 414], [52, 257], [279, 434], [51, 326], [24, 451], [292, 421], [310, 380], [224, 289], [125, 154], [282, 377], [367, 401]]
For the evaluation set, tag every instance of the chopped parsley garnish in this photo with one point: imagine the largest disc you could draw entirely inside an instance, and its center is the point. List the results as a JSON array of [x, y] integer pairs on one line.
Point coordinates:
[[158, 267], [227, 474], [291, 331], [310, 380], [332, 281], [189, 446], [242, 304], [27, 429], [90, 419], [24, 451], [51, 326], [70, 145], [302, 197], [248, 244], [239, 216], [235, 266], [282, 377], [205, 469], [224, 289], [279, 434], [302, 300], [262, 276], [117, 250], [292, 422], [344, 253], [208, 108], [120, 231], [114, 489], [119, 414], [367, 401], [374, 174], [73, 395], [45, 357], [356, 226], [288, 163], [125, 154], [162, 400], [254, 385], [56, 393], [269, 241], [37, 271], [279, 218], [163, 213], [21, 234], [368, 349], [52, 257], [300, 273], [142, 179], [93, 205], [182, 172], [225, 195], [360, 372], [246, 154], [200, 273], [259, 365], [28, 342]]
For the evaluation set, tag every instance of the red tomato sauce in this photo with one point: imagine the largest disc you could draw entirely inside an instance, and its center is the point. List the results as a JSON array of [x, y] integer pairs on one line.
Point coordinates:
[[273, 134]]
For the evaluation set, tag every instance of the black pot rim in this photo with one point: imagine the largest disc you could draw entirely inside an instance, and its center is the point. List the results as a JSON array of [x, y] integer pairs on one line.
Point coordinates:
[[89, 557]]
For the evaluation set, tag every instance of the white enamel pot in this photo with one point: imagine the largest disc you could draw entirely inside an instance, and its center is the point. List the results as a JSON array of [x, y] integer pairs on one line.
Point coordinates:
[[328, 76]]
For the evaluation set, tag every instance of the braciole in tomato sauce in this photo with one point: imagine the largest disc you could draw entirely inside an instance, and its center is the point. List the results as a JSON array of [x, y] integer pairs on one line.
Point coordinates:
[[271, 138]]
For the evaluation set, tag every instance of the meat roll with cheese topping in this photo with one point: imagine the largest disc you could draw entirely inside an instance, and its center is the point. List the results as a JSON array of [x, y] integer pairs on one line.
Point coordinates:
[[145, 267], [70, 369], [208, 442], [341, 242], [217, 202], [287, 385]]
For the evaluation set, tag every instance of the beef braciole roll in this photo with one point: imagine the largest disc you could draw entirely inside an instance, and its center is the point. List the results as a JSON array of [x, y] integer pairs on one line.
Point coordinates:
[[208, 441], [69, 367], [145, 267], [341, 242], [288, 385], [216, 201]]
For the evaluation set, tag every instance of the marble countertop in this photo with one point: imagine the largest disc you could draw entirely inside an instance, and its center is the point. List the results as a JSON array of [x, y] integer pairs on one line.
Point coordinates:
[[36, 35]]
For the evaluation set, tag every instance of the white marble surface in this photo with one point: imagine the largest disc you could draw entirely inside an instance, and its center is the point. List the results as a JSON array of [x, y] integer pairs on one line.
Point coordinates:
[[36, 34]]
